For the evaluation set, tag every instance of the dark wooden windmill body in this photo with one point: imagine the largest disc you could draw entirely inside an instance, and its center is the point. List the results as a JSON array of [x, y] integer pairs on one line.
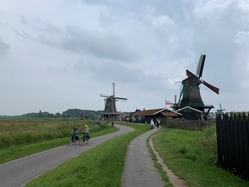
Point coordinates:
[[190, 101], [110, 111]]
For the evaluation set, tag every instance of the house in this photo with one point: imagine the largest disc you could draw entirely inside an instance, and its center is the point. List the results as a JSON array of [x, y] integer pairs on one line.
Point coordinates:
[[190, 113], [144, 116]]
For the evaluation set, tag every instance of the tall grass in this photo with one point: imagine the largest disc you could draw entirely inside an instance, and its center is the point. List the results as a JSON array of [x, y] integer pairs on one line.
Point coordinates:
[[28, 131], [22, 137], [192, 156]]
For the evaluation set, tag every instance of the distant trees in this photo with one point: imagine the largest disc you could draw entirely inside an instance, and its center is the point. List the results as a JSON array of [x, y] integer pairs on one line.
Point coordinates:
[[70, 113], [57, 115], [78, 113]]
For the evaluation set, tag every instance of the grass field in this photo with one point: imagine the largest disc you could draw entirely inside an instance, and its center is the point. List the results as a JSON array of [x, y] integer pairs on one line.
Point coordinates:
[[190, 154], [22, 137]]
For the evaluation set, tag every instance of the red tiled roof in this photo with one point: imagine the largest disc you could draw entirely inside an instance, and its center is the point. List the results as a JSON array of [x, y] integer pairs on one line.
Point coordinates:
[[147, 112], [169, 114]]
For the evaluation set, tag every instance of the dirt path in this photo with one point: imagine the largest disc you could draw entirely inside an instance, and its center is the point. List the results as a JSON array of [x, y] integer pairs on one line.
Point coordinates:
[[177, 182]]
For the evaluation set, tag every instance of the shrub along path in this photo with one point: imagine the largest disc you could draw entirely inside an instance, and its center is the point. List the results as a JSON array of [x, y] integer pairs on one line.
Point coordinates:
[[19, 172]]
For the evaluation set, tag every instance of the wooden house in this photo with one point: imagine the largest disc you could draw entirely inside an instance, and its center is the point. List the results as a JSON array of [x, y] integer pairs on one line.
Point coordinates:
[[190, 113], [144, 116]]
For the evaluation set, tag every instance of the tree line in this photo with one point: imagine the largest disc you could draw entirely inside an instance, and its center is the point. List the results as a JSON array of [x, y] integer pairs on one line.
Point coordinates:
[[70, 113]]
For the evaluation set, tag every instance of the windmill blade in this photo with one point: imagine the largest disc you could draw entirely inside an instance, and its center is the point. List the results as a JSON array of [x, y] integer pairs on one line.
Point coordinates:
[[113, 87], [190, 74], [102, 95], [200, 66], [215, 89], [121, 98], [177, 82], [220, 107]]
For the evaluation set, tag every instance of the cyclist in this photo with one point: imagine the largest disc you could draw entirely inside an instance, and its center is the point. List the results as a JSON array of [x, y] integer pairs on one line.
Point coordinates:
[[85, 133], [74, 133]]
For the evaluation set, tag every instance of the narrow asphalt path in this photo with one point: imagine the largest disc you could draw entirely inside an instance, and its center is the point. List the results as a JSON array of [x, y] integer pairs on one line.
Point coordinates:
[[139, 168], [19, 172]]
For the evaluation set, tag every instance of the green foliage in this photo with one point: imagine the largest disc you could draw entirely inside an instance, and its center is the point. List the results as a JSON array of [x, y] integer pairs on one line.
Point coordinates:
[[183, 150], [78, 113], [30, 131], [36, 135], [192, 156], [186, 124], [70, 113]]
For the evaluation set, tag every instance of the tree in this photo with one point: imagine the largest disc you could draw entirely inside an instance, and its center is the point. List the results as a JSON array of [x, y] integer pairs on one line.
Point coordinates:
[[57, 115]]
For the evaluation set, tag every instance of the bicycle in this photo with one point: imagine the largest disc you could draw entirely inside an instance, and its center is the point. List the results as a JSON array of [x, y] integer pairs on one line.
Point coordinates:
[[74, 139], [85, 139]]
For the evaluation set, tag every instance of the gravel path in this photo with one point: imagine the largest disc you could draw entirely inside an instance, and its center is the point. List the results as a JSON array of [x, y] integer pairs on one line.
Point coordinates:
[[139, 167]]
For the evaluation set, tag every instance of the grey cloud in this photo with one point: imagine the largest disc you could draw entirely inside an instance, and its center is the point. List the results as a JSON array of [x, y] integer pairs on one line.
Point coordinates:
[[23, 34], [23, 19], [109, 71], [219, 44], [101, 45], [176, 9], [3, 47]]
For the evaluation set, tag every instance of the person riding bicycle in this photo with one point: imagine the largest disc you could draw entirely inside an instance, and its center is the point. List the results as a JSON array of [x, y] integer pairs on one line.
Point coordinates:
[[85, 132], [74, 133]]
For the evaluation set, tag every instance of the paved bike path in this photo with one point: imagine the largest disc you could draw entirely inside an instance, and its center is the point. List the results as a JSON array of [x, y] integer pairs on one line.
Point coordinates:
[[139, 168], [19, 172]]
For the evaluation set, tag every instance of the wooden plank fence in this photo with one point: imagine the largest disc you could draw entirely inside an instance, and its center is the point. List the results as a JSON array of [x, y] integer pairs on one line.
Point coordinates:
[[233, 143]]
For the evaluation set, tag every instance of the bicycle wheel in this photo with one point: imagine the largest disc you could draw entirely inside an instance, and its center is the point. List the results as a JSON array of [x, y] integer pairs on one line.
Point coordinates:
[[86, 140], [80, 141], [70, 141]]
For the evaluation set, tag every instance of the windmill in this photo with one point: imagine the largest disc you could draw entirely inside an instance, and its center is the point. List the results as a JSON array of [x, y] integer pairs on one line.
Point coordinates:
[[110, 110], [190, 91], [220, 111]]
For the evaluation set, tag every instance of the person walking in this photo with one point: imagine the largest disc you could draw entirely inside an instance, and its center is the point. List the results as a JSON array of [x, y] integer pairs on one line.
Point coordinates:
[[158, 122], [152, 123]]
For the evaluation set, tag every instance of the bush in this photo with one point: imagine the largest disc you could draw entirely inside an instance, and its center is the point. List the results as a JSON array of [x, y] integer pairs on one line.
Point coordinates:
[[186, 124]]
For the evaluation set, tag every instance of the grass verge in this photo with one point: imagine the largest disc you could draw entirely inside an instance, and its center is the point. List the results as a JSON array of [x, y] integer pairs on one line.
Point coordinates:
[[187, 154], [98, 167]]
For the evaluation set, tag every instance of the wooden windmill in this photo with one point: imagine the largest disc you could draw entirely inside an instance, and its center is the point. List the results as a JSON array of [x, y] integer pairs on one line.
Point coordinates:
[[190, 92], [110, 110]]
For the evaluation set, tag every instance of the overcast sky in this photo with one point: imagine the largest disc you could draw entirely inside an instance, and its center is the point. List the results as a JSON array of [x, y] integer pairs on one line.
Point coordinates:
[[62, 54]]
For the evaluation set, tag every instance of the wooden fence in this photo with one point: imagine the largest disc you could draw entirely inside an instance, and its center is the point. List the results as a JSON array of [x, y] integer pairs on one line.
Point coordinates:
[[233, 143]]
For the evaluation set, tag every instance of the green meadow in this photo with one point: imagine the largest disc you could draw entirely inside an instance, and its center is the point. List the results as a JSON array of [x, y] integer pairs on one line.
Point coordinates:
[[190, 154], [22, 137]]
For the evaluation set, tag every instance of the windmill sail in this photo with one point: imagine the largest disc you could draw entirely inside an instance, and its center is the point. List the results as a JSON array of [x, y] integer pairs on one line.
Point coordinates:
[[215, 89], [200, 65]]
